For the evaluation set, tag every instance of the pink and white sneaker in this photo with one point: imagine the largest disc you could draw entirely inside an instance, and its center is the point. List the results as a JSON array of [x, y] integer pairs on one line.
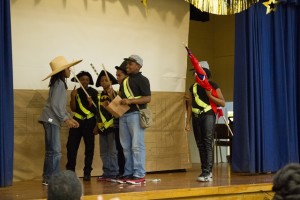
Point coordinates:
[[136, 180]]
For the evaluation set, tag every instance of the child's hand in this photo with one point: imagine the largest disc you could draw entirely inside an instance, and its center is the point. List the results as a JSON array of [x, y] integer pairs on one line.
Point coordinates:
[[74, 92]]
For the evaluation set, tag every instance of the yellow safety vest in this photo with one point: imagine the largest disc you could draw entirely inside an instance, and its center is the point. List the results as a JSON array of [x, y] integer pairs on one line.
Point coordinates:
[[206, 107], [104, 124], [126, 90], [88, 114]]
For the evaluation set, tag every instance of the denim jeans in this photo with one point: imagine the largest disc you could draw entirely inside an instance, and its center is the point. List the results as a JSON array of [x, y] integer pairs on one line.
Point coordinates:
[[132, 140], [109, 154], [204, 133], [121, 158], [52, 150]]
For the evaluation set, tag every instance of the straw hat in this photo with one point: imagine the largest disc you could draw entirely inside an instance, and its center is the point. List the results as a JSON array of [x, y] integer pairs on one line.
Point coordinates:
[[59, 64]]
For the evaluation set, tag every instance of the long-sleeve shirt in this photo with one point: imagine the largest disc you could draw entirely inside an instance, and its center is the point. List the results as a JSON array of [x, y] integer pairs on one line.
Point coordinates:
[[55, 111]]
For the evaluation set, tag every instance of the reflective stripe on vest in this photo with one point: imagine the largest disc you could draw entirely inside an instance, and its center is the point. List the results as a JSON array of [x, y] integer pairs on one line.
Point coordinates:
[[82, 117], [104, 124], [88, 113], [206, 107], [126, 90]]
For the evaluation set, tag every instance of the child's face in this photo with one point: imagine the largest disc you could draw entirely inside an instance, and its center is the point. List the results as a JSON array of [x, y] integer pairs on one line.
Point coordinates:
[[120, 76], [104, 82], [84, 80], [67, 72], [132, 67]]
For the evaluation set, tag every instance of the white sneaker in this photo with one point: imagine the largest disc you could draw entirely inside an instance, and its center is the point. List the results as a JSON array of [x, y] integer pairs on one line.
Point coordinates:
[[205, 177], [45, 183]]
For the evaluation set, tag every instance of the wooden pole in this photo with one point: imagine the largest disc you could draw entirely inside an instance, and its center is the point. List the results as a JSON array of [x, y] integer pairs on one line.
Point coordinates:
[[110, 85]]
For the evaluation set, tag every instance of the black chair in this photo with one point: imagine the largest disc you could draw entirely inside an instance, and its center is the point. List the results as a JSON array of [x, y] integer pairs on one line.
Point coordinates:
[[223, 138]]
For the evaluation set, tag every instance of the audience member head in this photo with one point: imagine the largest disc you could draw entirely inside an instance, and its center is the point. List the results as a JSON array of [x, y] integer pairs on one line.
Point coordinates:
[[64, 185], [286, 182]]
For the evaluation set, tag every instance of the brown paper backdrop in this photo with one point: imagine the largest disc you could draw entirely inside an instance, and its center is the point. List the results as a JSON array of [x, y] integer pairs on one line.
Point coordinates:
[[166, 142]]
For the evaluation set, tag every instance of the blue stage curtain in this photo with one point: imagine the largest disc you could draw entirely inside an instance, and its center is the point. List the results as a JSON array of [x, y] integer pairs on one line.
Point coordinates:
[[295, 2], [6, 97], [266, 88]]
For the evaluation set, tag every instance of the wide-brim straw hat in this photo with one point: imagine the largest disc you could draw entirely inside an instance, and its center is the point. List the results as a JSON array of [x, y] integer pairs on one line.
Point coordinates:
[[59, 64]]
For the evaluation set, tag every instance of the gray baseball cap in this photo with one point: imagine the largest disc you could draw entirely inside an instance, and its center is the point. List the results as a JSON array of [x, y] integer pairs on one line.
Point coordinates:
[[135, 58], [204, 64]]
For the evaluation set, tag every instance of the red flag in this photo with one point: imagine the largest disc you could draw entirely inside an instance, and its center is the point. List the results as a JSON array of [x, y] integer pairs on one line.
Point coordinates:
[[202, 80]]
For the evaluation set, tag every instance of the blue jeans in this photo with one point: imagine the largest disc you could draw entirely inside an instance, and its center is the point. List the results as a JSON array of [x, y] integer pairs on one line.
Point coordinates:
[[109, 154], [52, 150], [132, 140]]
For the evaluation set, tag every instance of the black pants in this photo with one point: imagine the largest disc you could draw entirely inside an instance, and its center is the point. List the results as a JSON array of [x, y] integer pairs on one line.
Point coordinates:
[[121, 157], [84, 130], [203, 128]]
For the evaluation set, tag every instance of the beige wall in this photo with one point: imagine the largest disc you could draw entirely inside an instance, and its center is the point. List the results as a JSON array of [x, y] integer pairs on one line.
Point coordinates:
[[223, 55], [100, 32], [214, 41]]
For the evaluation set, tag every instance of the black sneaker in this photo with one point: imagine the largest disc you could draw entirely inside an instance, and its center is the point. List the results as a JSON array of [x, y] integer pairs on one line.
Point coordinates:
[[136, 180], [107, 178], [113, 179], [102, 178], [205, 177], [123, 179], [87, 177], [119, 176]]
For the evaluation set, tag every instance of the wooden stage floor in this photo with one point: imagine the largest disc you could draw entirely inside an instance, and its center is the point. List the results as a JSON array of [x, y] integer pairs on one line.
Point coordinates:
[[172, 185]]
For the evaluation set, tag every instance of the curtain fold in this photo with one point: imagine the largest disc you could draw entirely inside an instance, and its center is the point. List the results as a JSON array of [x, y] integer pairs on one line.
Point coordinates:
[[295, 2], [266, 89], [6, 97]]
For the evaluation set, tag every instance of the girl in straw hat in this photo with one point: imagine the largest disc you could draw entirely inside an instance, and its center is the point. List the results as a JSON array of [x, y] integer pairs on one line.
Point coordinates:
[[54, 114]]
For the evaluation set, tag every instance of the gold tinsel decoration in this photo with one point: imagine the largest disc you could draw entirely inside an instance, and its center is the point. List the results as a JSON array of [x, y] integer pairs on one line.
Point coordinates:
[[222, 7]]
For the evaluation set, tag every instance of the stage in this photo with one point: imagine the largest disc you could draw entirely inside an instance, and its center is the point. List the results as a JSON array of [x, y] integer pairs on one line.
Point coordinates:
[[177, 184]]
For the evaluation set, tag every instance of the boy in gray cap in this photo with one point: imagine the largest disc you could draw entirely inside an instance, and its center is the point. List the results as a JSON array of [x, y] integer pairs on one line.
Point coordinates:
[[131, 133], [203, 121]]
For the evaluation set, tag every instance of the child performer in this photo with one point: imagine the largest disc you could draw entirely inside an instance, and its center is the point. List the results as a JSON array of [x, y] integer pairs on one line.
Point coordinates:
[[105, 127]]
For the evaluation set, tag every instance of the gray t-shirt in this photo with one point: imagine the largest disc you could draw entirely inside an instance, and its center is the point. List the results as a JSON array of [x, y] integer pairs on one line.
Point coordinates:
[[55, 111]]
